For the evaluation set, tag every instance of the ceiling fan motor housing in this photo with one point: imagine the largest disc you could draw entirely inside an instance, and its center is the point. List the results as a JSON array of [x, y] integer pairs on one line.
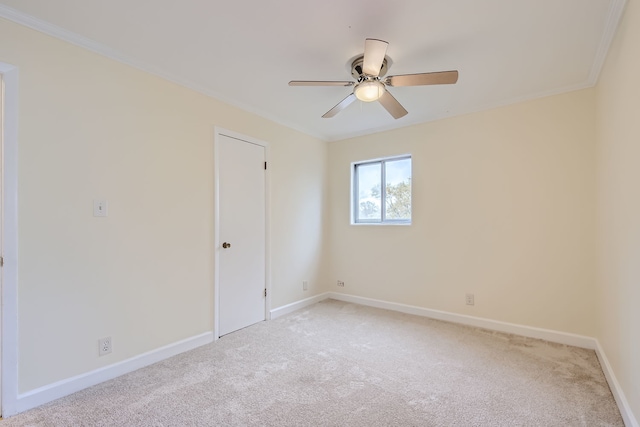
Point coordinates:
[[357, 72]]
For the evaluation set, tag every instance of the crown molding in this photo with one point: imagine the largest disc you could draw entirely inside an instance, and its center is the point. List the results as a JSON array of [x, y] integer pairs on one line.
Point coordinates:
[[614, 17], [103, 50]]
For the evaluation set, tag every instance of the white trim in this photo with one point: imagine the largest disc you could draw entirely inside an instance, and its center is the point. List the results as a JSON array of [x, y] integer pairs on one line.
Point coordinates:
[[86, 43], [218, 131], [290, 308], [613, 20], [10, 241], [615, 13], [71, 385], [616, 390], [216, 236], [494, 325], [614, 16], [478, 322]]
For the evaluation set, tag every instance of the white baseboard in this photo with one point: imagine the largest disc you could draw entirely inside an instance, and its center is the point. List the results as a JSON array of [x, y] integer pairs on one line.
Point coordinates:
[[68, 386], [479, 322], [290, 308], [527, 331], [71, 385], [494, 325], [618, 394]]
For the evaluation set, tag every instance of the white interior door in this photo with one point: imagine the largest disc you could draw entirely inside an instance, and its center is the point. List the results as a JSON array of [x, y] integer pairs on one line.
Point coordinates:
[[242, 234]]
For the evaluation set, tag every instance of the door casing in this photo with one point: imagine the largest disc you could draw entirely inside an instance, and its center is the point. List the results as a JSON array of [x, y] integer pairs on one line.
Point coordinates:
[[9, 220], [217, 243]]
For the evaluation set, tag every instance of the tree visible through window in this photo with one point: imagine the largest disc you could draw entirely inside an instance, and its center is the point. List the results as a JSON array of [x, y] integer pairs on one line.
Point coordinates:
[[382, 191]]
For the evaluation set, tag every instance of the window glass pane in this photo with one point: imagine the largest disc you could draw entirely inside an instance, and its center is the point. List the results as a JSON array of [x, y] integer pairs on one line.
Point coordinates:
[[398, 189], [368, 199]]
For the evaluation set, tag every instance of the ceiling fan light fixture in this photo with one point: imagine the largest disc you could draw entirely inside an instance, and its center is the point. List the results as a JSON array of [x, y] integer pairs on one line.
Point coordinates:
[[368, 70], [369, 90]]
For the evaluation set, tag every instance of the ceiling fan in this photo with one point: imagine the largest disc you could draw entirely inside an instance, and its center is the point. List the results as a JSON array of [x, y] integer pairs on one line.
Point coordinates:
[[368, 70]]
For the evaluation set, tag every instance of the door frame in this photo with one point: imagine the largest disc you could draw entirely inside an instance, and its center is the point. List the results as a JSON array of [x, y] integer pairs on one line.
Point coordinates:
[[218, 132], [9, 224]]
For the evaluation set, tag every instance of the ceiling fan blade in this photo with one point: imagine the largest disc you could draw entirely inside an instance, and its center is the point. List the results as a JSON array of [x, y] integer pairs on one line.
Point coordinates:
[[392, 105], [320, 83], [439, 78], [341, 106], [374, 52]]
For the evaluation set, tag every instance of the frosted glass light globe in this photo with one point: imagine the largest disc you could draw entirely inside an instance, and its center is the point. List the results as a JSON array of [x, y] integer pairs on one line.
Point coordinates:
[[369, 90]]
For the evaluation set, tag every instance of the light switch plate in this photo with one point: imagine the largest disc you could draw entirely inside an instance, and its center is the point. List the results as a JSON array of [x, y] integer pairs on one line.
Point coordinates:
[[100, 208]]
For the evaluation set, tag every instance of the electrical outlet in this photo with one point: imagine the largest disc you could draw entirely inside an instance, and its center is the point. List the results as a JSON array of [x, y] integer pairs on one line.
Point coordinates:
[[470, 299], [104, 346], [341, 283], [305, 285]]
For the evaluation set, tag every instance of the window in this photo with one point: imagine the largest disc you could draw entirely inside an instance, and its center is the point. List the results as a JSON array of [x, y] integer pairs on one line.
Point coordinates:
[[382, 191]]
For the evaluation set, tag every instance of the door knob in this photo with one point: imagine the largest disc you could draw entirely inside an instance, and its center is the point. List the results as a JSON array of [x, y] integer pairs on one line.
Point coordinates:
[[226, 245]]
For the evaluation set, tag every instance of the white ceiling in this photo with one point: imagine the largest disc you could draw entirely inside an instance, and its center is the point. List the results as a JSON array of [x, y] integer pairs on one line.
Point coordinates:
[[245, 52]]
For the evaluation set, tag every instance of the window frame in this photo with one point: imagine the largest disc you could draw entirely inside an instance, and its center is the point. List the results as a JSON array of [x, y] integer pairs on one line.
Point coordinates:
[[354, 191]]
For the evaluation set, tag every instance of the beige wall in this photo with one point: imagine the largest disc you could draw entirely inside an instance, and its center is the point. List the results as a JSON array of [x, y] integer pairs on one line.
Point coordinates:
[[94, 128], [618, 206], [502, 208]]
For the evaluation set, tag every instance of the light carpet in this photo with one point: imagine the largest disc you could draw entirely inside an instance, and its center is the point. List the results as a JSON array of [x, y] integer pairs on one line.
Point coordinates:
[[340, 364]]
